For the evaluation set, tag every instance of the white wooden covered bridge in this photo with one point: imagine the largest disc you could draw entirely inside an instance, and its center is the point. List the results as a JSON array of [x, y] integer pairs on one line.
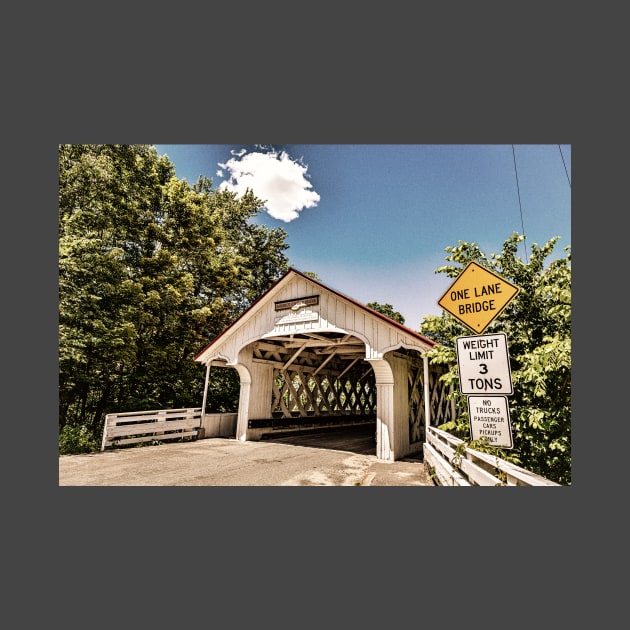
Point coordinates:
[[309, 356]]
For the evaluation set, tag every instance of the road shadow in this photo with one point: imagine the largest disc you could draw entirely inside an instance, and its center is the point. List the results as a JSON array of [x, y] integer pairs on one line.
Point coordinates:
[[359, 439]]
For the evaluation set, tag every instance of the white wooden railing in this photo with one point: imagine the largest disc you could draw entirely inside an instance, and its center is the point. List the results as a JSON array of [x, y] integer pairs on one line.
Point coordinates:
[[147, 426], [472, 468]]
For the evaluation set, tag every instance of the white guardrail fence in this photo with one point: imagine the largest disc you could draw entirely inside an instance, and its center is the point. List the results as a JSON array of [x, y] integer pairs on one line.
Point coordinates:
[[450, 467], [149, 426]]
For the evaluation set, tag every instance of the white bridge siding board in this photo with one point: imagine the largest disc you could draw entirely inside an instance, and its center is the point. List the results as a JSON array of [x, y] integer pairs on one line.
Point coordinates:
[[340, 314], [262, 390], [349, 318], [218, 425], [384, 421], [401, 406]]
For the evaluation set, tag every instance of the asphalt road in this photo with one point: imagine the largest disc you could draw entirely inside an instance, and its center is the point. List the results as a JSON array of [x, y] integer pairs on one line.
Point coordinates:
[[341, 458]]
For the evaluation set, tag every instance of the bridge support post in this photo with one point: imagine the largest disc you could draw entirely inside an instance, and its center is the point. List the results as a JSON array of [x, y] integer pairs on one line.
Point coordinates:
[[243, 402], [384, 409]]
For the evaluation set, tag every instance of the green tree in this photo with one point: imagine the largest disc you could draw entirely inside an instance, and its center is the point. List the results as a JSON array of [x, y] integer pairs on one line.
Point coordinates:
[[537, 323], [312, 274], [150, 269], [388, 310]]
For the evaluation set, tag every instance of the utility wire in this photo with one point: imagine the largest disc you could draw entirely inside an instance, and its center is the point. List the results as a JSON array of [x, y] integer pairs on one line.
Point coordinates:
[[565, 166], [519, 202]]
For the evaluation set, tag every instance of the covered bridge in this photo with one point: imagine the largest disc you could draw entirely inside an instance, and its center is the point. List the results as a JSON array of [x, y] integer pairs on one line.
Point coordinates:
[[309, 356]]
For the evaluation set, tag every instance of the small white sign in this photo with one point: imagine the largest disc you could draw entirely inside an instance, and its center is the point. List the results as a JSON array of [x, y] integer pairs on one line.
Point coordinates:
[[484, 365], [489, 418], [294, 318]]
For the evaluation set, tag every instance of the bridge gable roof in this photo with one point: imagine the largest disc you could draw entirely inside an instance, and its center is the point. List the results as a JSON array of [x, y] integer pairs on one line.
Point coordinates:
[[316, 308]]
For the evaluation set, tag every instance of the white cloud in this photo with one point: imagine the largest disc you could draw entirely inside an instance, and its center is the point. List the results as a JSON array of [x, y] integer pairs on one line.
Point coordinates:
[[275, 178]]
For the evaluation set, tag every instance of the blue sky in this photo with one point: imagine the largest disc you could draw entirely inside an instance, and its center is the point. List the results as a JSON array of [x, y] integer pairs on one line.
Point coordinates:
[[373, 220]]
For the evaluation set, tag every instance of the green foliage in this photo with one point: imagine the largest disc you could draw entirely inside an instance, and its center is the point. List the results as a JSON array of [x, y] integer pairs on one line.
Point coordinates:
[[223, 391], [537, 323], [74, 440], [387, 310], [150, 269]]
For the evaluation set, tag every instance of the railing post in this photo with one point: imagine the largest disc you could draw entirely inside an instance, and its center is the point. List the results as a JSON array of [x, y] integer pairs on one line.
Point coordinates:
[[161, 418], [104, 433], [427, 397], [205, 390]]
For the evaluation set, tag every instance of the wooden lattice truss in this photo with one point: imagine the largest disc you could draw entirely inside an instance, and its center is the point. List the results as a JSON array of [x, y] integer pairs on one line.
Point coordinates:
[[415, 389], [327, 374], [318, 374], [442, 409], [439, 405]]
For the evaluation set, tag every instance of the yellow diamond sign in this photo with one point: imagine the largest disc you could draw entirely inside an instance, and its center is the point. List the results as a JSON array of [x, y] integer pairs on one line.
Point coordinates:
[[477, 297]]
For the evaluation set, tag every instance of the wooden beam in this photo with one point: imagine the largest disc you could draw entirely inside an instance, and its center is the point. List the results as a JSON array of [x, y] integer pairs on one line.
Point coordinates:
[[316, 336], [272, 347], [307, 369], [328, 358], [294, 357], [364, 374], [346, 349], [313, 343], [273, 362], [351, 364]]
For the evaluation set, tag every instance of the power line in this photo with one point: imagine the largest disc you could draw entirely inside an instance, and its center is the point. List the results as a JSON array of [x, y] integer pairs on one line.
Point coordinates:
[[565, 166], [519, 202]]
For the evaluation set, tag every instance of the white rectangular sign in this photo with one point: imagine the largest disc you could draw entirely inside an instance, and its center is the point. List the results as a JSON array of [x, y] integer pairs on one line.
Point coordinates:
[[484, 365], [489, 418], [293, 318]]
